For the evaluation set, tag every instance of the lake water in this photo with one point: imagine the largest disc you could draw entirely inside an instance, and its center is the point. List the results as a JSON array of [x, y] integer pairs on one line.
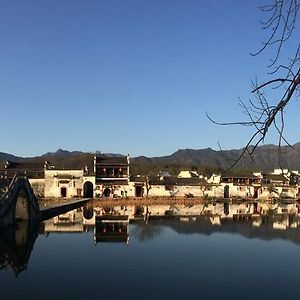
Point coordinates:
[[212, 251]]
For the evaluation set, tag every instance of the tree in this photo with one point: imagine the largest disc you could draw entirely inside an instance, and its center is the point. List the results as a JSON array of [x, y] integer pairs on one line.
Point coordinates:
[[263, 112], [148, 186]]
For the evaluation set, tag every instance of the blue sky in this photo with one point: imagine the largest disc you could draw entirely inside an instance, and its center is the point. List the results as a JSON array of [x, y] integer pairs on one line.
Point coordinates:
[[127, 76]]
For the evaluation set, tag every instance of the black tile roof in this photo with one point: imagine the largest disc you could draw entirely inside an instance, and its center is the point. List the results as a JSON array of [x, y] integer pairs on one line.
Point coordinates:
[[114, 160], [275, 177], [193, 181]]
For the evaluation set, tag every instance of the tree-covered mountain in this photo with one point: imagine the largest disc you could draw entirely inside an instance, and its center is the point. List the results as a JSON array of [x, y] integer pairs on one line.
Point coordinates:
[[6, 156], [265, 158]]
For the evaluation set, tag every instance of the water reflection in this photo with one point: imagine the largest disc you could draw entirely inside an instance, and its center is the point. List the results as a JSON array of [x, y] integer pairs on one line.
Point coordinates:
[[22, 210], [107, 230], [16, 244], [71, 221], [262, 220], [123, 224], [147, 232]]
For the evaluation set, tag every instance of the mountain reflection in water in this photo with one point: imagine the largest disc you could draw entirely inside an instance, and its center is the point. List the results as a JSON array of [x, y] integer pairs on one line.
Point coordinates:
[[132, 239]]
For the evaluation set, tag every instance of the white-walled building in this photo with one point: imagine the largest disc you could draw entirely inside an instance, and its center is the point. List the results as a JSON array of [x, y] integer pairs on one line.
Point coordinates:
[[63, 183], [187, 174], [111, 178]]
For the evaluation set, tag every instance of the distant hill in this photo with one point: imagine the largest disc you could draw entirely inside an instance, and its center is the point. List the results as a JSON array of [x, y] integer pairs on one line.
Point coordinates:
[[265, 158], [62, 153], [6, 156]]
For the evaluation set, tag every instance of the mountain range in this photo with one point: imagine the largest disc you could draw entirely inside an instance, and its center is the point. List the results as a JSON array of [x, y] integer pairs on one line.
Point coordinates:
[[265, 158]]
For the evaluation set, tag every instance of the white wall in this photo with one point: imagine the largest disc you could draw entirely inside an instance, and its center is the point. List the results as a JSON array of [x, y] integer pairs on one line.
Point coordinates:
[[55, 180], [126, 190]]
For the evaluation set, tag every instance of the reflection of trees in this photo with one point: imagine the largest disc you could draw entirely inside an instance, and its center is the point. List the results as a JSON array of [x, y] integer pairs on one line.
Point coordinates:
[[272, 209], [146, 232]]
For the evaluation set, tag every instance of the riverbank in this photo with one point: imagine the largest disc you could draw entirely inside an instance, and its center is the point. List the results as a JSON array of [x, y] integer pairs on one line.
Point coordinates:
[[130, 201], [151, 201]]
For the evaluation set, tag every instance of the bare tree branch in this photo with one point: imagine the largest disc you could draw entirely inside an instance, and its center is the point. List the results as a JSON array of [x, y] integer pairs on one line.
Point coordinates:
[[263, 113]]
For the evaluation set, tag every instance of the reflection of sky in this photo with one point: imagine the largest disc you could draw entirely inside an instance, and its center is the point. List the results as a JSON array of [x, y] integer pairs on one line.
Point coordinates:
[[171, 265]]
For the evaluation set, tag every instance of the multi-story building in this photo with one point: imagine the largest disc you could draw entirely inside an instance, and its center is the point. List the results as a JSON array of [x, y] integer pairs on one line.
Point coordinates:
[[111, 175]]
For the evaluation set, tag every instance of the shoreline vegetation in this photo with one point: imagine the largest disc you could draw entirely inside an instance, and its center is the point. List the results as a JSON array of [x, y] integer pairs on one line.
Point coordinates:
[[158, 201]]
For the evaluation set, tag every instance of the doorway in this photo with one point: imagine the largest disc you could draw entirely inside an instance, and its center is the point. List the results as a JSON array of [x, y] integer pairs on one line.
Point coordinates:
[[63, 192], [139, 191], [106, 192], [88, 190]]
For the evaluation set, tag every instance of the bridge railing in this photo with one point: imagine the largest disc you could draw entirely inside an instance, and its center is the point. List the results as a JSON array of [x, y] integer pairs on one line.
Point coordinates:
[[8, 200], [10, 187], [9, 173]]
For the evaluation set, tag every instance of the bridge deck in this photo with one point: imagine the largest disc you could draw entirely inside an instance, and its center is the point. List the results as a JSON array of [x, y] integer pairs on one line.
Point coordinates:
[[54, 210]]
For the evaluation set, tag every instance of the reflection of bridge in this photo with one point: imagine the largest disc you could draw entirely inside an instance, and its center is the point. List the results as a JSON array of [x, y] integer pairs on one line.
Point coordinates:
[[20, 215], [20, 203], [16, 244]]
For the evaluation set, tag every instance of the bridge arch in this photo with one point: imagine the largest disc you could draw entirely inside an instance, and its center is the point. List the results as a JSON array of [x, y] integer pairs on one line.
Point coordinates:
[[19, 201], [22, 206]]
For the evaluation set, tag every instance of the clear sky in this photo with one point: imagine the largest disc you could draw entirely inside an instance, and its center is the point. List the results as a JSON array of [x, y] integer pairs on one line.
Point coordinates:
[[127, 76]]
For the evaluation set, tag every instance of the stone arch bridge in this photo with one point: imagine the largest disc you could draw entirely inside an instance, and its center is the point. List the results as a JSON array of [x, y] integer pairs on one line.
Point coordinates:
[[18, 202]]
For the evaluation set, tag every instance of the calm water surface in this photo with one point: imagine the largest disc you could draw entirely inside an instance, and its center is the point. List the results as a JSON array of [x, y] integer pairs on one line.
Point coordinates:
[[236, 252]]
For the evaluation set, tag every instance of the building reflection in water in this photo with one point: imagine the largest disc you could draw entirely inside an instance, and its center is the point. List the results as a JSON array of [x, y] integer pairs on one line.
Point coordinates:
[[111, 229], [261, 220], [111, 223]]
